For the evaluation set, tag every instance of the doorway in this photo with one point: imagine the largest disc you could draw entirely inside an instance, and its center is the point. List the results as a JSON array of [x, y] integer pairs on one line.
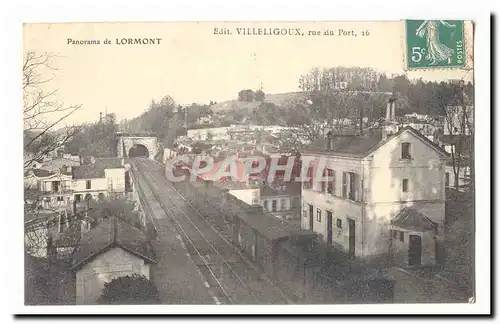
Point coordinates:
[[329, 221], [311, 217], [415, 250], [352, 237]]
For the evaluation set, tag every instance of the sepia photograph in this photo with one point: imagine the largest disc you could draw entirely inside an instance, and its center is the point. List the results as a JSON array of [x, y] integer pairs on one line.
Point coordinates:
[[249, 163]]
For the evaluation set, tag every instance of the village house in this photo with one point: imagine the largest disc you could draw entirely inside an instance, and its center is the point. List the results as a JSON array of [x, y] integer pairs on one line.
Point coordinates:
[[384, 193], [101, 178], [53, 189], [114, 248], [281, 200], [64, 163]]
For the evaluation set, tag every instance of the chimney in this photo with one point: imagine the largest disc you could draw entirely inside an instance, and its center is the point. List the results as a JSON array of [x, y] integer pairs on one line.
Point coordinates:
[[390, 125], [330, 141], [100, 117]]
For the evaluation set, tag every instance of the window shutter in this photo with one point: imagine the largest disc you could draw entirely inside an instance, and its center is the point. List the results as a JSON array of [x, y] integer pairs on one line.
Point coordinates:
[[344, 184]]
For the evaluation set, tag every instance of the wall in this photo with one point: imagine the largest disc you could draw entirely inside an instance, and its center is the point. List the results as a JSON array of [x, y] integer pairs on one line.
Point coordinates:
[[385, 198], [151, 143], [97, 184], [425, 172], [342, 209], [279, 201], [218, 133], [105, 267], [400, 248], [250, 196], [115, 179]]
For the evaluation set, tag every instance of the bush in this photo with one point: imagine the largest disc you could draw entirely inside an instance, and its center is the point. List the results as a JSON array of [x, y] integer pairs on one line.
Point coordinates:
[[135, 289]]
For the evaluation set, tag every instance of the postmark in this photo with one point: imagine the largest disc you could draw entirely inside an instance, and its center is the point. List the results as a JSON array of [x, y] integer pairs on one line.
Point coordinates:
[[432, 44]]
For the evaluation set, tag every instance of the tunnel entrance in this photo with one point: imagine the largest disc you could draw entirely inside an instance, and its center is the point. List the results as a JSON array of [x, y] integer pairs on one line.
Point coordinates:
[[138, 150]]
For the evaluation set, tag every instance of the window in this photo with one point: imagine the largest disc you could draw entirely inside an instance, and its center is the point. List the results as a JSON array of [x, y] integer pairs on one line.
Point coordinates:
[[304, 211], [274, 205], [266, 205], [339, 223], [282, 204], [78, 198], [394, 234], [255, 198], [447, 179], [330, 188], [60, 198], [402, 236], [318, 215], [405, 151], [88, 184], [405, 185], [349, 185]]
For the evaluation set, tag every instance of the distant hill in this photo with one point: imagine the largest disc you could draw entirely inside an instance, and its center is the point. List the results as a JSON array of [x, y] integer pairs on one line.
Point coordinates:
[[277, 99]]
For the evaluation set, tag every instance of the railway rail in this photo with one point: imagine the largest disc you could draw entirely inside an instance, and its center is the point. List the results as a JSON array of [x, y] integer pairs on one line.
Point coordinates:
[[229, 276]]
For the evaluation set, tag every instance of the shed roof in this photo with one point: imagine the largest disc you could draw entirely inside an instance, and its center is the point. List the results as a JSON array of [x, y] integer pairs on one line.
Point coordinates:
[[412, 219]]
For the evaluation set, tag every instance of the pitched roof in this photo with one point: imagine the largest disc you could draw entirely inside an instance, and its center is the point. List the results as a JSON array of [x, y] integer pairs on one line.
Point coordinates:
[[410, 218], [96, 169], [361, 146], [41, 173], [349, 144], [113, 232]]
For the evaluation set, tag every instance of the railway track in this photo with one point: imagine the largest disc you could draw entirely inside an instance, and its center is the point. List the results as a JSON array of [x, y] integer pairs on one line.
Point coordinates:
[[228, 275]]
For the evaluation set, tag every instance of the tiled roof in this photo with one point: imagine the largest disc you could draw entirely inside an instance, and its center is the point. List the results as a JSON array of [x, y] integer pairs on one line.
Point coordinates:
[[410, 218], [113, 232], [96, 169]]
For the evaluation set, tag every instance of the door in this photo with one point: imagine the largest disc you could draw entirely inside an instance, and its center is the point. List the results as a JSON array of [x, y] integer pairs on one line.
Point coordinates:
[[352, 237], [311, 217], [329, 221], [415, 250]]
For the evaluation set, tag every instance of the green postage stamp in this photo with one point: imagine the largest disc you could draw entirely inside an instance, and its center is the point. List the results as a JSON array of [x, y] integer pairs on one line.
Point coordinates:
[[435, 44]]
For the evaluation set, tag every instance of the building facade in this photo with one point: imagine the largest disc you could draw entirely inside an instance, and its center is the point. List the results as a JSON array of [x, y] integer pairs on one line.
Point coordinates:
[[367, 182]]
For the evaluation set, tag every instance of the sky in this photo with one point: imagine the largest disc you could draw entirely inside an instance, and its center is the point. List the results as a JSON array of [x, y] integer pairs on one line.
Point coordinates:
[[192, 64]]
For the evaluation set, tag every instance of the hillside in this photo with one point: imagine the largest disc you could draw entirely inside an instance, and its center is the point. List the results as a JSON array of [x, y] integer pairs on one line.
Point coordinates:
[[277, 99]]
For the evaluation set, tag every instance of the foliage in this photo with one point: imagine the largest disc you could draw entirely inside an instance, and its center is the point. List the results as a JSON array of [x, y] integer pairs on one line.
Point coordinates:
[[98, 140], [199, 147], [259, 95], [246, 95], [41, 112], [135, 289]]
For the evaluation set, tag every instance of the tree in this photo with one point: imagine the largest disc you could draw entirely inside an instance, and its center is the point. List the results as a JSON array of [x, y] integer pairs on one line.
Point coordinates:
[[41, 112], [127, 290], [457, 108], [246, 95], [260, 95]]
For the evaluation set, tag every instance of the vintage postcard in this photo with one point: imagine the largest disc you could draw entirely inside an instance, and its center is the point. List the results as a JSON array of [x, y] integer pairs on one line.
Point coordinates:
[[249, 163]]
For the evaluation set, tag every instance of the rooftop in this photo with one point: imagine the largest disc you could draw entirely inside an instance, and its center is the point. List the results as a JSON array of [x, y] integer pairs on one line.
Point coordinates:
[[362, 145], [97, 168], [113, 232], [288, 189], [410, 218]]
